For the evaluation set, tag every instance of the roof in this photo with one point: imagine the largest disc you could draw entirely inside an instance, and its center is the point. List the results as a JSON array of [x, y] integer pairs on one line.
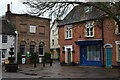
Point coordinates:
[[77, 14], [27, 15], [6, 28]]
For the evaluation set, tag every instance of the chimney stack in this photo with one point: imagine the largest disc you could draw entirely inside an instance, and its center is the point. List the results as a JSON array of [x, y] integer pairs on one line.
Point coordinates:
[[8, 13], [8, 7]]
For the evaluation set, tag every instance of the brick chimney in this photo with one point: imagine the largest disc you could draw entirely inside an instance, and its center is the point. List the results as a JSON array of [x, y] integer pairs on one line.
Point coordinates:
[[8, 13]]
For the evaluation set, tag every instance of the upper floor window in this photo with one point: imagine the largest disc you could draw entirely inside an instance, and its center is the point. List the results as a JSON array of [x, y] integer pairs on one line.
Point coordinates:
[[117, 29], [53, 42], [89, 31], [88, 9], [41, 30], [23, 28], [53, 32], [4, 38], [32, 29], [68, 32]]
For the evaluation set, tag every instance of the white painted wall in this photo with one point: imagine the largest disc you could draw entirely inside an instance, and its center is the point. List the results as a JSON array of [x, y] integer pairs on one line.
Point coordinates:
[[54, 36], [10, 42]]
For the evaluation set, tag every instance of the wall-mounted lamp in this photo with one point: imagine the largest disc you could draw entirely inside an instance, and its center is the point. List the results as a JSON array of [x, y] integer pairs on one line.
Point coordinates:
[[63, 49], [73, 51]]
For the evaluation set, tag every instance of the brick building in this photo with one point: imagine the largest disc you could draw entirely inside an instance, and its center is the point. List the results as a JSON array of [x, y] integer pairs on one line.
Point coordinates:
[[32, 31], [85, 40]]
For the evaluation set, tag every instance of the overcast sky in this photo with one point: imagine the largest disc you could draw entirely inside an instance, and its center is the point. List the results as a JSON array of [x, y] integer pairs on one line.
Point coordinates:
[[15, 7]]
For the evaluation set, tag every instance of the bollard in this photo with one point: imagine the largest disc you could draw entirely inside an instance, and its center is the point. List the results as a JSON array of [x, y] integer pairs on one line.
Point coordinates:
[[35, 63], [50, 62], [43, 62]]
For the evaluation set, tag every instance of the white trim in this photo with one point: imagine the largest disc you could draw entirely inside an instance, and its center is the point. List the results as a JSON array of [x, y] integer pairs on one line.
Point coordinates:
[[117, 42], [66, 55], [108, 45], [91, 40]]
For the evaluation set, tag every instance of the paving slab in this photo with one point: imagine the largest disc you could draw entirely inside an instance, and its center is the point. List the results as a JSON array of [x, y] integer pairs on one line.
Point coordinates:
[[58, 71]]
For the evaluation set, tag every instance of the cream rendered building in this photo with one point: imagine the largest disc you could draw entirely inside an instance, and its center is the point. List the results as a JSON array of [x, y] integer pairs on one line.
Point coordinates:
[[54, 41]]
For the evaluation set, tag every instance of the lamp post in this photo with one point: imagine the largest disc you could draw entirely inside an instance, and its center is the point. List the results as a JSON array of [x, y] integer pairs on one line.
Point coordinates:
[[16, 44]]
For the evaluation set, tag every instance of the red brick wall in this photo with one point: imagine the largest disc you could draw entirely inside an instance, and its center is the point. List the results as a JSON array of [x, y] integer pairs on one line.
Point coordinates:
[[78, 34], [17, 20]]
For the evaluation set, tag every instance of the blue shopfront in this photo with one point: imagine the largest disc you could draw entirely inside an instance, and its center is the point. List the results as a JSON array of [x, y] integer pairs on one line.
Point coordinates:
[[90, 52]]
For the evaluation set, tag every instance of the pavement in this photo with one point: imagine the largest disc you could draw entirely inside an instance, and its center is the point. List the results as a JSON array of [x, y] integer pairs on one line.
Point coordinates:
[[0, 72], [58, 71]]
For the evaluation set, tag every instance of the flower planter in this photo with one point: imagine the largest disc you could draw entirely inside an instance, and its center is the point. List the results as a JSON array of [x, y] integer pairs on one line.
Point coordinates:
[[11, 67]]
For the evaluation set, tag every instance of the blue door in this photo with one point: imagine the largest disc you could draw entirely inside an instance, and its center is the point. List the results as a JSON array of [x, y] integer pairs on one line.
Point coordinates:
[[83, 55], [108, 57], [90, 55]]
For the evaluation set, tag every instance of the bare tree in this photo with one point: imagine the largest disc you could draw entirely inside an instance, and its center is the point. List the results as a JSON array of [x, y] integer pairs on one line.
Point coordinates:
[[59, 9]]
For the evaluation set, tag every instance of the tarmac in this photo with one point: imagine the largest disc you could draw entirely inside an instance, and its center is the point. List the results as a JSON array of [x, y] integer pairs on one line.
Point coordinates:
[[57, 71]]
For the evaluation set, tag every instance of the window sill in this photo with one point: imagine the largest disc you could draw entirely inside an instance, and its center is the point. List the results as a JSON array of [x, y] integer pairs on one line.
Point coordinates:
[[68, 39], [118, 34], [41, 55], [118, 61], [89, 36]]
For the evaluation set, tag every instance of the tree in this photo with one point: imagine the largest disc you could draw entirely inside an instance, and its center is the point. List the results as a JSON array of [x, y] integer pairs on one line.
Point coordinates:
[[59, 9]]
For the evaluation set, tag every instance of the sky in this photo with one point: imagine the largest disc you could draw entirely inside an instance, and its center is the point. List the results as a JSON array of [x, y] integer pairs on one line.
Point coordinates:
[[15, 7]]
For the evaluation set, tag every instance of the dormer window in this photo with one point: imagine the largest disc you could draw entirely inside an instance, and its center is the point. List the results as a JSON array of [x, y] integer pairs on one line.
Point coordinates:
[[88, 9]]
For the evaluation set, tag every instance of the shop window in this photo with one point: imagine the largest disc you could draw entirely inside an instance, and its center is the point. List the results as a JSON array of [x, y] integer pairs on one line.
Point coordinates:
[[93, 53]]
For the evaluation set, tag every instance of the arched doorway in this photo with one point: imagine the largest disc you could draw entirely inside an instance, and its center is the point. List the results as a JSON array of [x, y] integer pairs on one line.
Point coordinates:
[[108, 50]]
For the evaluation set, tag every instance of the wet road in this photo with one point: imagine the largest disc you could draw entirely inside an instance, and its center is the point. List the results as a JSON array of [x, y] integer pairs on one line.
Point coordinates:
[[58, 71]]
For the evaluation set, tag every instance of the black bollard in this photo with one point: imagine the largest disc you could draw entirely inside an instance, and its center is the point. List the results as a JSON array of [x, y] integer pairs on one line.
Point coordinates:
[[43, 62], [50, 62], [35, 64]]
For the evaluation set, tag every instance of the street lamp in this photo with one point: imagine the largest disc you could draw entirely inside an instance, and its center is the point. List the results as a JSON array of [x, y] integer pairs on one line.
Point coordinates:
[[16, 42]]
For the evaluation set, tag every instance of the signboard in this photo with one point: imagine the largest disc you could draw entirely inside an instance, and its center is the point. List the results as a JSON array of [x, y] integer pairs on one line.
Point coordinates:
[[23, 60]]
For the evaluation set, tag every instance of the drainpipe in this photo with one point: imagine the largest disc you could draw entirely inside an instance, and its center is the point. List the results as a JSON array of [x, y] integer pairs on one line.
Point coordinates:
[[103, 52]]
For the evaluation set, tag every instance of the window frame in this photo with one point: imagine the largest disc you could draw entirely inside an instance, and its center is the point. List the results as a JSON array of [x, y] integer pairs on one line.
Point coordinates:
[[117, 31], [68, 32], [24, 48], [4, 38], [117, 50], [42, 50], [33, 29], [88, 26], [32, 48], [87, 9], [4, 54]]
